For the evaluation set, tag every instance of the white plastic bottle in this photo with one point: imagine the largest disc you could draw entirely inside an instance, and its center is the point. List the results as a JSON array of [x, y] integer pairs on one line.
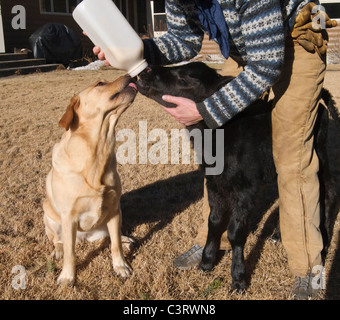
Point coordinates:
[[106, 26]]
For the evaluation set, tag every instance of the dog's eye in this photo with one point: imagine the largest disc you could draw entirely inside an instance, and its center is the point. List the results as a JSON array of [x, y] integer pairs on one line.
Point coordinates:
[[100, 83], [115, 96]]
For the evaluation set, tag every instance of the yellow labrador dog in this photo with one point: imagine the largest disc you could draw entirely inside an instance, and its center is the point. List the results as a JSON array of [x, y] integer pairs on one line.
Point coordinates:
[[83, 187]]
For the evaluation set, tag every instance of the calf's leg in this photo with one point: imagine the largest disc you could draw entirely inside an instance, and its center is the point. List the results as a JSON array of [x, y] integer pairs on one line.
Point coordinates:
[[237, 235], [217, 224]]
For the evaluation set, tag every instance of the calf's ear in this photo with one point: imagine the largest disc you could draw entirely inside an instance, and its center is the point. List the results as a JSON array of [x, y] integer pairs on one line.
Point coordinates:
[[70, 118], [223, 80]]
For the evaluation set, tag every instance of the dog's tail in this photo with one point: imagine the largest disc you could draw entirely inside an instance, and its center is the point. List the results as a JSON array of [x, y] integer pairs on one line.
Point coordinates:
[[331, 106]]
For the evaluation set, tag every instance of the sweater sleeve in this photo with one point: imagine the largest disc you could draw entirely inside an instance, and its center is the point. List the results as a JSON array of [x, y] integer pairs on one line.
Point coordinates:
[[183, 40], [261, 28]]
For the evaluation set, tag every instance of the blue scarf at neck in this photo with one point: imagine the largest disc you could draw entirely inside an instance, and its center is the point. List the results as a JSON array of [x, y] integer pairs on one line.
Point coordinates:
[[213, 21]]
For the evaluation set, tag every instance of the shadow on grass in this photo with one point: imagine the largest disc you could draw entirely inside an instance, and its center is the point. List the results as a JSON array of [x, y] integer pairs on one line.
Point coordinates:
[[160, 202]]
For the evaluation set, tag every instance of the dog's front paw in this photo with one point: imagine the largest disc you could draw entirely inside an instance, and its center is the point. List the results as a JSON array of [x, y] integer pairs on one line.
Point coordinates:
[[122, 269], [66, 279], [58, 251], [128, 243]]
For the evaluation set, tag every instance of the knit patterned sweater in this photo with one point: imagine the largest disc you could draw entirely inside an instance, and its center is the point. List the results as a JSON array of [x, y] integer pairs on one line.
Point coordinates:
[[257, 30]]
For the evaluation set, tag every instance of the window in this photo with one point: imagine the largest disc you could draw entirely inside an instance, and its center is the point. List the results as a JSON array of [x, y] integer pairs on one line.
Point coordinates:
[[58, 6], [332, 8], [72, 4], [46, 6], [159, 6], [122, 6], [158, 17]]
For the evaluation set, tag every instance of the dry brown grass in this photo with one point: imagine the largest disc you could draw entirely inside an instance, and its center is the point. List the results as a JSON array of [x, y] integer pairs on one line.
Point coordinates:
[[161, 209]]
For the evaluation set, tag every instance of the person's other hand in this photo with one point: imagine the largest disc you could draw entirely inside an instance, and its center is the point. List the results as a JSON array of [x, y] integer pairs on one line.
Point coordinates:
[[98, 52], [308, 30], [186, 111], [101, 55]]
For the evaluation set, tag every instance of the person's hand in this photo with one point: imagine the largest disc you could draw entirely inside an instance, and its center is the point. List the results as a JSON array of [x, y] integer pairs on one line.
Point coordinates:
[[101, 55], [186, 111], [98, 52]]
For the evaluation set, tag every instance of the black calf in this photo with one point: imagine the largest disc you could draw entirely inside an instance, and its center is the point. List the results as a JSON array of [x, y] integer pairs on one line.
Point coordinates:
[[242, 188]]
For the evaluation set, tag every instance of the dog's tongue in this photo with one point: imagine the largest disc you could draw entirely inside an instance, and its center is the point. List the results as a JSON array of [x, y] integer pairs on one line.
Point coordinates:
[[132, 85]]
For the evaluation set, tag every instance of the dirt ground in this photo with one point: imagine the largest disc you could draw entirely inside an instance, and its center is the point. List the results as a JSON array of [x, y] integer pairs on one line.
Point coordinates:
[[161, 210]]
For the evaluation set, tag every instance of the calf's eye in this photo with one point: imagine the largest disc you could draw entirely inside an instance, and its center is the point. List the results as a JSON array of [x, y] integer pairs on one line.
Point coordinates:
[[183, 82]]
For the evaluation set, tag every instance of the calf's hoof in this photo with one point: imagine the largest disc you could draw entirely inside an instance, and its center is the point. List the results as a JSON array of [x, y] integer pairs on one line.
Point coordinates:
[[239, 286], [206, 266]]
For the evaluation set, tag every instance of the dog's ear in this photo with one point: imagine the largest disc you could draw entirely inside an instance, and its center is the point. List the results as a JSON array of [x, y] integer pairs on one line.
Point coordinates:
[[70, 119]]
